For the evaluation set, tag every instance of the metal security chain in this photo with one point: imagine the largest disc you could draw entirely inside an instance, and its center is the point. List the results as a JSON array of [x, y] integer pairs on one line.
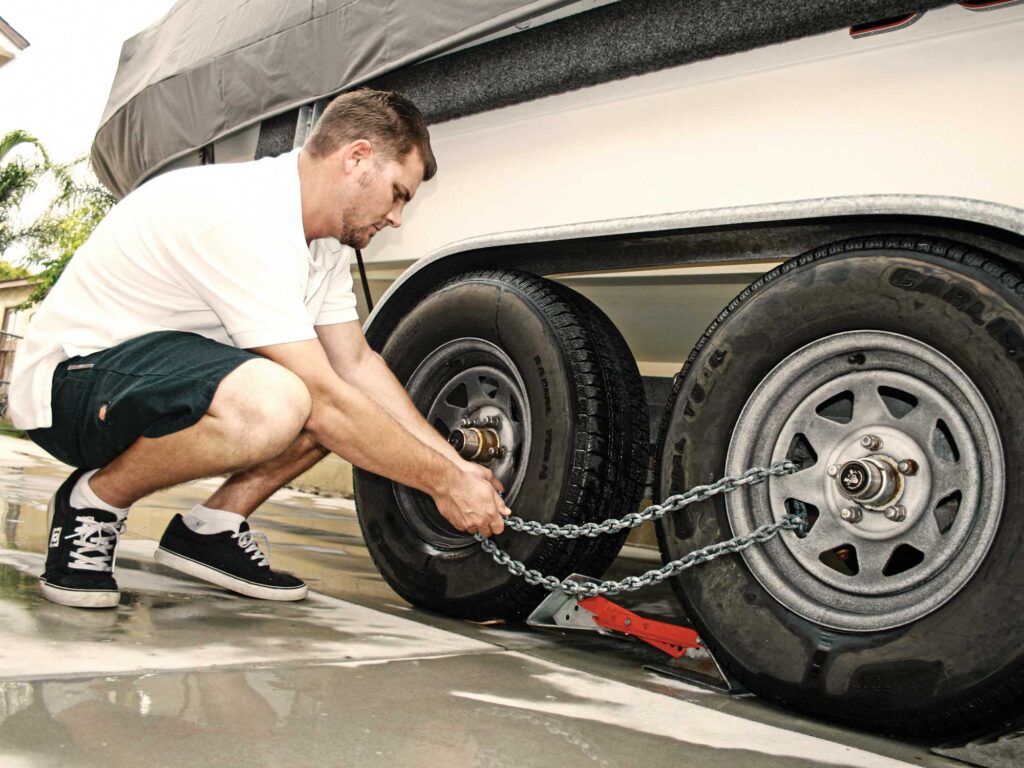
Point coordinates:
[[654, 512]]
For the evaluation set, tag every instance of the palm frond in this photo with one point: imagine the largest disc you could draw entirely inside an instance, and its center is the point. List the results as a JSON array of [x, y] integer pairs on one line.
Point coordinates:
[[16, 137]]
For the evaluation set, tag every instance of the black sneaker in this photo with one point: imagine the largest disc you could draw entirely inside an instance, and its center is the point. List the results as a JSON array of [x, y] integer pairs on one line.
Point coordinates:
[[81, 552], [230, 560]]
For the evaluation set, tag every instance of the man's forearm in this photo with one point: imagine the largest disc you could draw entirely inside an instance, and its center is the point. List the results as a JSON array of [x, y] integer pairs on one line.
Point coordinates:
[[354, 426], [375, 379]]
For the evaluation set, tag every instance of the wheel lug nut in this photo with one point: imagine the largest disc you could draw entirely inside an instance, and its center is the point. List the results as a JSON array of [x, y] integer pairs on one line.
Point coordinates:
[[833, 470], [907, 467], [896, 513], [871, 442], [851, 514]]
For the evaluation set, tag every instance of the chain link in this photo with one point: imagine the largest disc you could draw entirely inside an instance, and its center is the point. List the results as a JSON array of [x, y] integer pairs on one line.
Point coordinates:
[[792, 522]]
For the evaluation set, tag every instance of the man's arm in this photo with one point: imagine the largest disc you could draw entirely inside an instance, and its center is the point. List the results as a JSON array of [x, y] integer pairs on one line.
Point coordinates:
[[354, 361], [357, 428]]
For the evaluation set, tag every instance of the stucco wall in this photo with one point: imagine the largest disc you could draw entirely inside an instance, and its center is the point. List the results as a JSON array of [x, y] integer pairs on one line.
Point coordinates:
[[12, 293]]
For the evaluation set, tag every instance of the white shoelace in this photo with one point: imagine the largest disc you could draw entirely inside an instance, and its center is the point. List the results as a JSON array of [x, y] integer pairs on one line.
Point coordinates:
[[94, 550], [255, 543]]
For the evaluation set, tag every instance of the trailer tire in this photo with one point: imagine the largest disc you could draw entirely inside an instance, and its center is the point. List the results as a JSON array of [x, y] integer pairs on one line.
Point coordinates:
[[947, 658], [556, 372]]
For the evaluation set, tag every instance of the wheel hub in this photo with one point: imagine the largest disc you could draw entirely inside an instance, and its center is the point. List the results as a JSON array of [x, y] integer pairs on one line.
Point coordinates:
[[871, 481], [480, 440], [866, 491]]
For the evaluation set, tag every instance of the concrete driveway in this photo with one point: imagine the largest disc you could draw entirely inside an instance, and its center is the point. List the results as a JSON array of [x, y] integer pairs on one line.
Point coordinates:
[[182, 674]]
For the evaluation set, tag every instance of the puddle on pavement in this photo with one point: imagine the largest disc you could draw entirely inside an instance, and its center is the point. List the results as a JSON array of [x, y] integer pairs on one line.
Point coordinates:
[[478, 710]]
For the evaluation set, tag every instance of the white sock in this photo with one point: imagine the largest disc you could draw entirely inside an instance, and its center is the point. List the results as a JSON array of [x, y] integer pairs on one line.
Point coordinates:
[[83, 497], [206, 520]]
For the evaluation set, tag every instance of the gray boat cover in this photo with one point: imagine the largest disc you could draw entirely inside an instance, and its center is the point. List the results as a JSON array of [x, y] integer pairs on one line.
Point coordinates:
[[212, 67]]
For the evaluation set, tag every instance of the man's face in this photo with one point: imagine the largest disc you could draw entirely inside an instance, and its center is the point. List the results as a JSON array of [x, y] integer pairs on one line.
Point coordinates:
[[383, 188]]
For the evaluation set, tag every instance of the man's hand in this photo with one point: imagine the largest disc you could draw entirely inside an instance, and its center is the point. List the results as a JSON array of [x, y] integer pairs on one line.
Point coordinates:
[[480, 471], [470, 501]]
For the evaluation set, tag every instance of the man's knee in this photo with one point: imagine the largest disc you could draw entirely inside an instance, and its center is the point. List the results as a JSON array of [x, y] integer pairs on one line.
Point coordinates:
[[263, 399]]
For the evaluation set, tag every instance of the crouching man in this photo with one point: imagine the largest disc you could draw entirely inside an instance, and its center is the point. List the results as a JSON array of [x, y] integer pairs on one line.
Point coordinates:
[[207, 327]]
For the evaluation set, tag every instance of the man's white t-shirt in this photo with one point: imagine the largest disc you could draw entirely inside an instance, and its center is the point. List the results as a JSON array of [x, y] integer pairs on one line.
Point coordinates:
[[217, 250]]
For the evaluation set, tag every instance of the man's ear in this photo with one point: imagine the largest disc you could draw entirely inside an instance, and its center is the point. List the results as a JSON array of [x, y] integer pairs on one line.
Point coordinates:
[[356, 153]]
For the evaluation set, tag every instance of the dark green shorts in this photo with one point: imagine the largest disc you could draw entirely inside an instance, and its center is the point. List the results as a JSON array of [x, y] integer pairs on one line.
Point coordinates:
[[149, 386]]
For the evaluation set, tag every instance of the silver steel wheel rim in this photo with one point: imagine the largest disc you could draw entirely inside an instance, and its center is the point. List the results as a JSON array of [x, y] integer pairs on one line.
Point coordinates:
[[468, 378], [876, 573]]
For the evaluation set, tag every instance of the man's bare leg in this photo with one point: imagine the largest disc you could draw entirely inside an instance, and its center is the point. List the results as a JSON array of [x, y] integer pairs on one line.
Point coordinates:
[[244, 491], [257, 413]]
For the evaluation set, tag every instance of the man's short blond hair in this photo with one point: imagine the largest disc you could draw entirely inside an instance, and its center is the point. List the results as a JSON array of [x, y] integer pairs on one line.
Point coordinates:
[[388, 120]]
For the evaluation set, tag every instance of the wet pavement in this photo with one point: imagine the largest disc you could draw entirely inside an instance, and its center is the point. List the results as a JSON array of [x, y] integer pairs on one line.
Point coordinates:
[[182, 674]]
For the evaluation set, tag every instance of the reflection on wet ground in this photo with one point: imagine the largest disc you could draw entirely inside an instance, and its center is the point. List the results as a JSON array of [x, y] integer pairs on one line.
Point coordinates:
[[184, 674]]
